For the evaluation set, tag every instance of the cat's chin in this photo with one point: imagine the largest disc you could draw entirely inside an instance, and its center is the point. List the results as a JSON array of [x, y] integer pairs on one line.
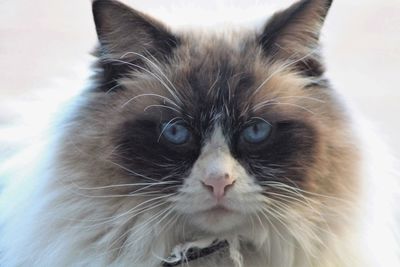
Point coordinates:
[[218, 219]]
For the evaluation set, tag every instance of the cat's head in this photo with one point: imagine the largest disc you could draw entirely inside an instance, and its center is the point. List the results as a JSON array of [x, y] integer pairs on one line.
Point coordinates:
[[226, 129]]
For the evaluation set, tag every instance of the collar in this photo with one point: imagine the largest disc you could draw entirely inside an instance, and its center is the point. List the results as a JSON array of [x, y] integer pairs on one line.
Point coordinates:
[[195, 253]]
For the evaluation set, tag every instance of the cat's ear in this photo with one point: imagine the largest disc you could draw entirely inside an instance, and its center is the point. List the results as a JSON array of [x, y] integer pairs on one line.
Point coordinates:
[[293, 34], [125, 32]]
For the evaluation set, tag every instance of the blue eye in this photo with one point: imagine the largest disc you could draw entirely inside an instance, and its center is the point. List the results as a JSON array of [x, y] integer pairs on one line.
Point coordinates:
[[175, 133], [257, 132]]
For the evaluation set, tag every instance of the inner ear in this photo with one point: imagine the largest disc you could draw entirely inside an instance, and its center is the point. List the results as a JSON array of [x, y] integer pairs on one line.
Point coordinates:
[[127, 39], [293, 34]]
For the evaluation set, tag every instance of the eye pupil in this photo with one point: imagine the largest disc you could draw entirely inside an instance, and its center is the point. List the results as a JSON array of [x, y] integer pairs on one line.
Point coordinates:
[[255, 128], [173, 130]]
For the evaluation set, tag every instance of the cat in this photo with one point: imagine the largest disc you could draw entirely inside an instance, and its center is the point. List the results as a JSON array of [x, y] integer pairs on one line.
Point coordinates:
[[232, 143]]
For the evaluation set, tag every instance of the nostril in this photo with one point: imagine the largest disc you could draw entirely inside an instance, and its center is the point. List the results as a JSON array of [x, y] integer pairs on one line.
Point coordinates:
[[228, 186], [208, 187]]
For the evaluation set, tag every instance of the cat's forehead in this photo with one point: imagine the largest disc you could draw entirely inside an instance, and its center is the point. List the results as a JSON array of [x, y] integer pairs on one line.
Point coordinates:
[[232, 66], [210, 56], [216, 79], [220, 77]]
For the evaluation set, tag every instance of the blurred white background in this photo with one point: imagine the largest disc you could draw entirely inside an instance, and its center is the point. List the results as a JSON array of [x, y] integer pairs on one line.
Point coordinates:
[[45, 45]]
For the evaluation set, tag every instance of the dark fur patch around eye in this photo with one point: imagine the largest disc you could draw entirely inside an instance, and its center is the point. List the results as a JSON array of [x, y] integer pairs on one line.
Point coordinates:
[[150, 158], [284, 157]]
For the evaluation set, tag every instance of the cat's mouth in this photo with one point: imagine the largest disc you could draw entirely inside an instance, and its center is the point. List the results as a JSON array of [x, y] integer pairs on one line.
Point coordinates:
[[219, 209], [218, 219]]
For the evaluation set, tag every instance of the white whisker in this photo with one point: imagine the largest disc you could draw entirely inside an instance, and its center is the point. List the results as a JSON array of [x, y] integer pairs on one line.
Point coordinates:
[[161, 106], [154, 65], [132, 172], [281, 68], [284, 103], [151, 94], [122, 185], [152, 74]]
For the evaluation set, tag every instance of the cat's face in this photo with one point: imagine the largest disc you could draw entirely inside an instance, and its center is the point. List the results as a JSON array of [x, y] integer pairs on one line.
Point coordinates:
[[225, 129], [217, 131]]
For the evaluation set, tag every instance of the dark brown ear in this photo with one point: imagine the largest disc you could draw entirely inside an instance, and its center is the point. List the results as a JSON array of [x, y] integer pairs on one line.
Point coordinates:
[[121, 29], [126, 38], [293, 34]]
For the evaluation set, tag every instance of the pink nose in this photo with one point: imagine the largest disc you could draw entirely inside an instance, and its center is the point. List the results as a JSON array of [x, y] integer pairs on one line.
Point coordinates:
[[218, 184]]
